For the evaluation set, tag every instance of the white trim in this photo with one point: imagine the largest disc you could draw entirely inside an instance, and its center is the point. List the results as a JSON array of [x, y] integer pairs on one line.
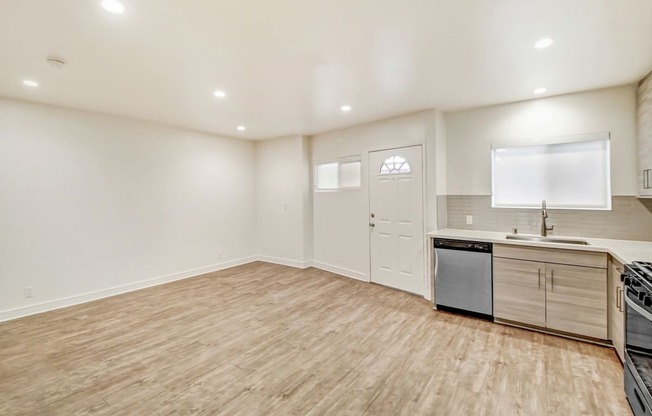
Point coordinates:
[[341, 271], [285, 262], [424, 211], [540, 141], [23, 311]]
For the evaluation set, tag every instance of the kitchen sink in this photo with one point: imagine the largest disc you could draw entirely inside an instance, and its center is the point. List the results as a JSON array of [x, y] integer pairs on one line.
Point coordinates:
[[546, 239]]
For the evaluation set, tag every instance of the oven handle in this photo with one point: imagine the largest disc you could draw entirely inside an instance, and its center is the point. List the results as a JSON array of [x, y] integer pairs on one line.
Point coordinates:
[[637, 308]]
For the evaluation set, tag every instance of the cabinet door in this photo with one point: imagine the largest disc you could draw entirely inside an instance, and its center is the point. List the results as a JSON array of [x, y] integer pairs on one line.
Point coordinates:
[[616, 309], [576, 300], [520, 291], [645, 137]]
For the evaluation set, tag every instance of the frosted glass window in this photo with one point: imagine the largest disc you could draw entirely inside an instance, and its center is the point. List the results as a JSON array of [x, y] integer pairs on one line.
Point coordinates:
[[349, 175], [395, 164], [327, 176], [568, 175], [339, 175]]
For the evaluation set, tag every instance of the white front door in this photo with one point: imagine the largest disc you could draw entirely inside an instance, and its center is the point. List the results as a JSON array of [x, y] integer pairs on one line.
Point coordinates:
[[396, 218]]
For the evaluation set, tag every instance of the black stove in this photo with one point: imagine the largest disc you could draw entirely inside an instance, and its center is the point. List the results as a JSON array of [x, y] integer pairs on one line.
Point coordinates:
[[637, 279], [641, 272]]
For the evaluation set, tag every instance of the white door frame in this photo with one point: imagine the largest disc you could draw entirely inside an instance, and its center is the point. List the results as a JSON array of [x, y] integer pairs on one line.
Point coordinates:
[[424, 202]]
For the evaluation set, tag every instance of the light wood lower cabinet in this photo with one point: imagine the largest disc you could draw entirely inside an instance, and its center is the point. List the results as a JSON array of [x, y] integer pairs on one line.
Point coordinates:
[[520, 291], [561, 297], [576, 300], [616, 308]]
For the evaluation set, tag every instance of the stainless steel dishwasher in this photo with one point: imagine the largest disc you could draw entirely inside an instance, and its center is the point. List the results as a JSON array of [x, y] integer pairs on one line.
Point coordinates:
[[463, 277]]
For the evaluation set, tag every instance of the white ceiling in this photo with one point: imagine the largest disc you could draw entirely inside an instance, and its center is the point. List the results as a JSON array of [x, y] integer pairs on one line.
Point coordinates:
[[289, 65]]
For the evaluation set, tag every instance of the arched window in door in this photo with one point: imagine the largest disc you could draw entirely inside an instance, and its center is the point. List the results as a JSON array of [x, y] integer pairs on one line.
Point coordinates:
[[395, 164]]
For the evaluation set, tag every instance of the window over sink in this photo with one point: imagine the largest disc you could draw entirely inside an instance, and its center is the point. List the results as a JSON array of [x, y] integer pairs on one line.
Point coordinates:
[[568, 172]]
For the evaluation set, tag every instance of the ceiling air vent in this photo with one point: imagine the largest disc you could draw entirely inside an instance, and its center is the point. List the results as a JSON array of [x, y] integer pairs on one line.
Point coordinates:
[[55, 61]]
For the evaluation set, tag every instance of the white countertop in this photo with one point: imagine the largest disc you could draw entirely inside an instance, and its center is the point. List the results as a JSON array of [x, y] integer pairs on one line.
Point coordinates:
[[625, 251]]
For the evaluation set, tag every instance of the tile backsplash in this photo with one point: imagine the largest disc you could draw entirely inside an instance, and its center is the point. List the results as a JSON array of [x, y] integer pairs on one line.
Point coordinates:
[[629, 219]]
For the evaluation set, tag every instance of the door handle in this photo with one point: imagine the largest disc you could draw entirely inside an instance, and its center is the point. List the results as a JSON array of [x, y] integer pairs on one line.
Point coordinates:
[[371, 224]]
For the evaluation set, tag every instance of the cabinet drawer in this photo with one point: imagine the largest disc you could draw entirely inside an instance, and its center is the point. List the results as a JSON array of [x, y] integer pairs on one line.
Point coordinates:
[[551, 255]]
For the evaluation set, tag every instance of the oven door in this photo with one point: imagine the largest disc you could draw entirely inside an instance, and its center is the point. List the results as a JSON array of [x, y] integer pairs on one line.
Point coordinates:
[[634, 395], [638, 347]]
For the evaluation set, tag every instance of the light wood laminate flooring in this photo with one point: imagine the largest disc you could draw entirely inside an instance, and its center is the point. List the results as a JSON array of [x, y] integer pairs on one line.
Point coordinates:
[[264, 339]]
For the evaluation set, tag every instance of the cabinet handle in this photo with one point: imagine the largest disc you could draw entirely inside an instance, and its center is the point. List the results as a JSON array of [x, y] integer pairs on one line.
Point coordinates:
[[644, 179], [622, 294], [539, 278], [552, 280], [618, 299]]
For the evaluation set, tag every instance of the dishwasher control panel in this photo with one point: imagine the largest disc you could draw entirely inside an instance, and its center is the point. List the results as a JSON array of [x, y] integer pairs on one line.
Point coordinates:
[[463, 245]]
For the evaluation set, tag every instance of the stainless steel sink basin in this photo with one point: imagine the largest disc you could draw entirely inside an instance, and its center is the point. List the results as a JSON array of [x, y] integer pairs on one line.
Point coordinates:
[[546, 239]]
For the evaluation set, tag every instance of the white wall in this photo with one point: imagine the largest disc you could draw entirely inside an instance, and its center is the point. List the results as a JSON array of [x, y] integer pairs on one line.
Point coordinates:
[[308, 218], [284, 217], [92, 203], [440, 159], [341, 219], [469, 134]]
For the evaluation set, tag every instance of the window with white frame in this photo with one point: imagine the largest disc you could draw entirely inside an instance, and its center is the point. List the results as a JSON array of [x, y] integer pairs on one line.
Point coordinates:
[[567, 172], [345, 173]]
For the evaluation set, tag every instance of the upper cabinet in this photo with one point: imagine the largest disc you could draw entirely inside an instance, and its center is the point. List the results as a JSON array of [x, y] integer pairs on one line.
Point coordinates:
[[645, 137]]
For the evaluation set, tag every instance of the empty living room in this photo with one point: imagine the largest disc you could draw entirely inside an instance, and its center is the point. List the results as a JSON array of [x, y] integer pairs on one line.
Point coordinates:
[[196, 219]]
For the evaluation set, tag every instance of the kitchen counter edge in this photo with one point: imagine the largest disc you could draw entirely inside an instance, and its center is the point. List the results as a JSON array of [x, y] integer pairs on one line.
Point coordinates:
[[625, 251]]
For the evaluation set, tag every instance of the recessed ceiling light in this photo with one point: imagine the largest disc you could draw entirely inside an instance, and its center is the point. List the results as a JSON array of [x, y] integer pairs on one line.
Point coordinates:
[[113, 6], [346, 108], [30, 83], [242, 128], [219, 94], [540, 90], [543, 43]]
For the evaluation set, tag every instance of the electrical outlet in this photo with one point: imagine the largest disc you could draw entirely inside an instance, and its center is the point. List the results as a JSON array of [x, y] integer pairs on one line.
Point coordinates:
[[29, 291], [469, 219]]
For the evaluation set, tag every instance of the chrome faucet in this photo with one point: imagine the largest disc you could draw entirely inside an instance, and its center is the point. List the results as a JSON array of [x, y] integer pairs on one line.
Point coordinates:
[[544, 215]]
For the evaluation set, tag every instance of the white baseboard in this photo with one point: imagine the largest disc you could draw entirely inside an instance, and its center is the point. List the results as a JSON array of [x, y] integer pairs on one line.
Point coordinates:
[[23, 311], [117, 290], [285, 262], [341, 271]]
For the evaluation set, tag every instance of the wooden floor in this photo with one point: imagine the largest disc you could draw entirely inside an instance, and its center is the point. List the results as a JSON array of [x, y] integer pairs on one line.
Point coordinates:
[[263, 339]]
